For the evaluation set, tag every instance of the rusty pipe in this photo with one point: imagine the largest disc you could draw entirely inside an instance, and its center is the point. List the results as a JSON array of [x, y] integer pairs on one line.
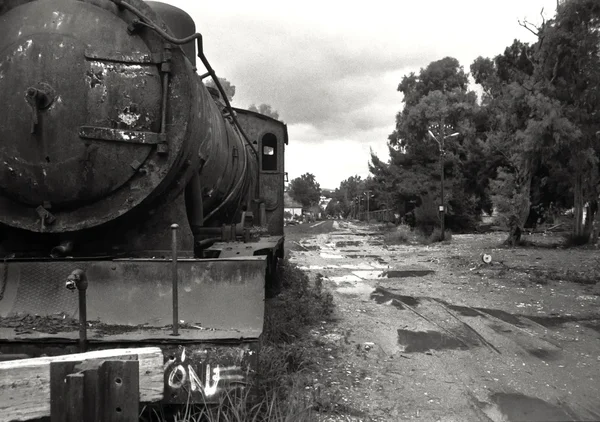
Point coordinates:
[[175, 293], [77, 280], [62, 250]]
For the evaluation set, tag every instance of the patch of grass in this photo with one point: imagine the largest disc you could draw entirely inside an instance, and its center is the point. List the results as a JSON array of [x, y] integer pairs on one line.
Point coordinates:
[[436, 236], [285, 356], [300, 305], [400, 235]]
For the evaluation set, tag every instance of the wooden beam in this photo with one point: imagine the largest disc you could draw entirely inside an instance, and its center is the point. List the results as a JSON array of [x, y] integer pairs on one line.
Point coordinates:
[[25, 384]]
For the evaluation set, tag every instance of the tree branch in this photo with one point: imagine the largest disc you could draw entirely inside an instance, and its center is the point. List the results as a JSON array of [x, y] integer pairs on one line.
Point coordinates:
[[525, 24]]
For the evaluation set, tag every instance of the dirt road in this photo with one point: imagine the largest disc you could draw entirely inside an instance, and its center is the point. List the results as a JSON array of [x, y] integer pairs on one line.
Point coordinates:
[[432, 333]]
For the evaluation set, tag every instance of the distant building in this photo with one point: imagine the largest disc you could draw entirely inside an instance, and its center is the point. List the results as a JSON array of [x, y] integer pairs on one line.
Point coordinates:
[[291, 206]]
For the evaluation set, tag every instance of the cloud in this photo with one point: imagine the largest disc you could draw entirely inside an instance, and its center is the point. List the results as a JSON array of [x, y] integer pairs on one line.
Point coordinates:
[[331, 68]]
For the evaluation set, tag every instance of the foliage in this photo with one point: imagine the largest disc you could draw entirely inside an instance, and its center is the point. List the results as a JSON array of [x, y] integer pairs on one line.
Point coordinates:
[[436, 100], [346, 195], [264, 109], [427, 215], [305, 190], [228, 87], [398, 235], [436, 236], [299, 305], [285, 354]]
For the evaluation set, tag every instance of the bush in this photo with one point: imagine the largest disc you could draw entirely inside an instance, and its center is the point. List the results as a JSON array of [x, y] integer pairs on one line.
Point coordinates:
[[426, 215], [300, 305], [400, 235], [436, 236], [572, 240]]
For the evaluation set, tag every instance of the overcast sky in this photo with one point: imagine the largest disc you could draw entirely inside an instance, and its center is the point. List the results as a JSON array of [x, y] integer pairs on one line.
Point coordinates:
[[331, 68]]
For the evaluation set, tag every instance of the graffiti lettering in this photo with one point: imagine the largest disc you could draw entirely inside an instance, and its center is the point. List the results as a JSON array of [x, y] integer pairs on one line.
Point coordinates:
[[182, 372], [181, 375]]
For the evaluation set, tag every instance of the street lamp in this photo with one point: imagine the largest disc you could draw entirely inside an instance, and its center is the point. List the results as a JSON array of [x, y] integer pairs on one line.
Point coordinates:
[[440, 142]]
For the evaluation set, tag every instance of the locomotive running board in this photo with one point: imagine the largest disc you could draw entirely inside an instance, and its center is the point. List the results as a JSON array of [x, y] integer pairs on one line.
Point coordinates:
[[130, 300]]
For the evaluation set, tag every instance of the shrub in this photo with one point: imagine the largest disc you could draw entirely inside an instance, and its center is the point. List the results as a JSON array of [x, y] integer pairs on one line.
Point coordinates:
[[436, 236], [426, 215], [400, 235], [571, 240], [300, 305]]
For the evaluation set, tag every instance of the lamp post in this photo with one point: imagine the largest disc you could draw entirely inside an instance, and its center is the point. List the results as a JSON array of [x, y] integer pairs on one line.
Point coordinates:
[[440, 142]]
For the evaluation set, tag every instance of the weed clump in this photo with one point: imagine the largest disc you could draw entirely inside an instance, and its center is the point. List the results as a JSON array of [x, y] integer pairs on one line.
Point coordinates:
[[436, 235], [400, 235], [573, 240], [300, 305]]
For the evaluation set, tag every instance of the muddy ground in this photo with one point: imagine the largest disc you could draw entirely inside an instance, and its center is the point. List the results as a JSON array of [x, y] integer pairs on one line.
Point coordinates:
[[433, 333]]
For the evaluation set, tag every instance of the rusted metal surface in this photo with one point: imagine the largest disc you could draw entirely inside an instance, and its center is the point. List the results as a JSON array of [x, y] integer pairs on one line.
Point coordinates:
[[258, 126], [236, 249], [130, 299], [47, 43]]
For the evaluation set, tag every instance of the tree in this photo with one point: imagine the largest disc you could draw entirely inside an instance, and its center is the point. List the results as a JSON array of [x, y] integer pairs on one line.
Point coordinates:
[[526, 129], [264, 109], [438, 95], [568, 70], [305, 190], [227, 87], [347, 192]]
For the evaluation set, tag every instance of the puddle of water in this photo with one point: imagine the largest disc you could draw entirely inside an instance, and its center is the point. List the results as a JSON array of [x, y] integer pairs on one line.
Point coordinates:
[[516, 407], [344, 278], [368, 275], [406, 273], [463, 310], [330, 256], [383, 296], [504, 316], [346, 243], [359, 289], [544, 354], [357, 267], [356, 256], [311, 247], [423, 341]]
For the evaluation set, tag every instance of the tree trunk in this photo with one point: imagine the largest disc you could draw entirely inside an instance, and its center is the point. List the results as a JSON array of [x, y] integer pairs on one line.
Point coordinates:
[[521, 205], [514, 233], [595, 221], [590, 212], [578, 229]]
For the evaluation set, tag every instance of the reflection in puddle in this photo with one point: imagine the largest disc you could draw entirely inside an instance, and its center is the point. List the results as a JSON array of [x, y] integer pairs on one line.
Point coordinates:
[[359, 289], [346, 243], [375, 257], [544, 354], [331, 256], [464, 310], [368, 275], [383, 296], [406, 273], [422, 341], [344, 278], [514, 407]]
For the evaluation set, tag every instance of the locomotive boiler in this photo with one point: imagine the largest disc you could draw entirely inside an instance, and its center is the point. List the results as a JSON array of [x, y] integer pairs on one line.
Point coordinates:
[[136, 205]]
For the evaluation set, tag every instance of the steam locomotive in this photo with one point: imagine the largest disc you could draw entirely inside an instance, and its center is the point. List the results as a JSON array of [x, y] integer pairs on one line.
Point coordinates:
[[137, 207]]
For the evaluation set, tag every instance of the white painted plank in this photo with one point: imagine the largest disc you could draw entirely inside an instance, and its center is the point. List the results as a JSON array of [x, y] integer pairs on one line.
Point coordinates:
[[25, 383]]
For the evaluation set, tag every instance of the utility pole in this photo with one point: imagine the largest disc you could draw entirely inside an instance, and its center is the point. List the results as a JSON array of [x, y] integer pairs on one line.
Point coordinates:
[[442, 208], [368, 192]]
